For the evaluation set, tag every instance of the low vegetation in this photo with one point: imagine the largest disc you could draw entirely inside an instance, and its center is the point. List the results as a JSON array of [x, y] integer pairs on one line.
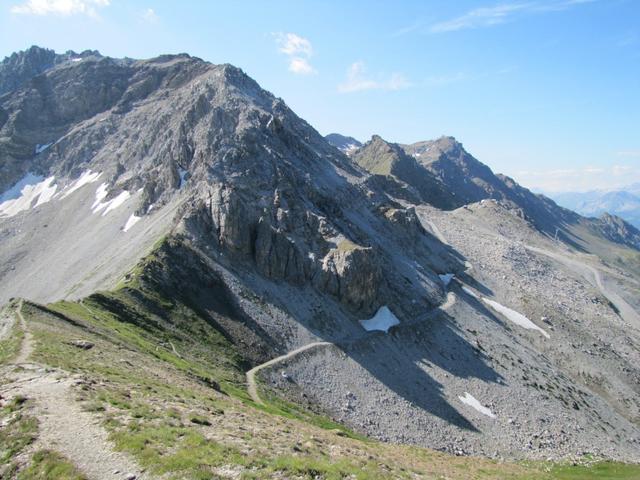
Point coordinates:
[[49, 465], [19, 430]]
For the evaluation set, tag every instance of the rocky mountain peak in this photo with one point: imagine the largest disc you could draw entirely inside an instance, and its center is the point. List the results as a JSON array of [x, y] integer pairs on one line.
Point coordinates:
[[347, 145], [448, 145], [22, 66], [617, 230]]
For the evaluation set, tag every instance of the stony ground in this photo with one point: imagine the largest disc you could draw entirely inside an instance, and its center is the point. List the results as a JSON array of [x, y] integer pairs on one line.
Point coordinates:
[[573, 393]]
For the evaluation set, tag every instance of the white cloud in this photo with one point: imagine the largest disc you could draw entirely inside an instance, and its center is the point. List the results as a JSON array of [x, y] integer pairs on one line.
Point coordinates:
[[301, 66], [299, 51], [480, 17], [292, 44], [357, 80], [629, 153], [618, 170], [483, 17], [150, 16], [60, 7], [444, 80]]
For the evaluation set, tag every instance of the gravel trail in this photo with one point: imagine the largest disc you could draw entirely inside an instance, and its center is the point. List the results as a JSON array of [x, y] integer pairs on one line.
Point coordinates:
[[62, 424], [251, 374]]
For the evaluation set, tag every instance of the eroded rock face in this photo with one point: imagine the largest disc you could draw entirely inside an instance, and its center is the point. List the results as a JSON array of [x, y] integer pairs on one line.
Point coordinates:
[[279, 257], [352, 274], [617, 230], [233, 223], [406, 220]]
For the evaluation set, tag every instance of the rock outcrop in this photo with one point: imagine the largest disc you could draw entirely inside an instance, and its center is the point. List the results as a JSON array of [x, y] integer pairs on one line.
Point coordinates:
[[353, 274]]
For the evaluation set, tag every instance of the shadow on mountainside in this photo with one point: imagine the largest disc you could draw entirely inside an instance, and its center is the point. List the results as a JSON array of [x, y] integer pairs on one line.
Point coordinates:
[[394, 359]]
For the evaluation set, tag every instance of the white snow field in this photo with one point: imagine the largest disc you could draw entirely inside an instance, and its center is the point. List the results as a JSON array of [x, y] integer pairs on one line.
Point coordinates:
[[31, 191], [383, 320], [183, 176], [101, 194], [514, 316], [470, 292], [42, 148], [87, 177], [470, 400], [133, 219]]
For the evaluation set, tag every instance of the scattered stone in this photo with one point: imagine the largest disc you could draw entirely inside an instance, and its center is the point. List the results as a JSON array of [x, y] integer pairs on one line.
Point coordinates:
[[82, 344]]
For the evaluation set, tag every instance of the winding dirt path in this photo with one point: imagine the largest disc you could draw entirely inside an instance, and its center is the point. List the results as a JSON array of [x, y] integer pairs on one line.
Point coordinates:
[[62, 424], [27, 342], [592, 275], [252, 388]]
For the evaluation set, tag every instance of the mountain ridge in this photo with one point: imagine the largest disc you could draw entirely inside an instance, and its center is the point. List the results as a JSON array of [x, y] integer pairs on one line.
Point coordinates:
[[624, 203]]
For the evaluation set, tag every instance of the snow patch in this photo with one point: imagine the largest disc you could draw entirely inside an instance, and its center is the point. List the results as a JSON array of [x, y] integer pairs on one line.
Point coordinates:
[[349, 148], [84, 179], [42, 148], [383, 320], [101, 193], [15, 191], [131, 222], [183, 173], [47, 191], [31, 191], [470, 400], [112, 204], [446, 278], [470, 292], [514, 316]]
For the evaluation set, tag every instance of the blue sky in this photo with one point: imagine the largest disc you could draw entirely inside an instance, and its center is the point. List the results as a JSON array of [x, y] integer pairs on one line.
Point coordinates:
[[546, 91]]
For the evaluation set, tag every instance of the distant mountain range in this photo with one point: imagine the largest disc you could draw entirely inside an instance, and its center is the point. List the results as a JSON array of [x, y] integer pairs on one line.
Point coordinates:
[[625, 203], [345, 144]]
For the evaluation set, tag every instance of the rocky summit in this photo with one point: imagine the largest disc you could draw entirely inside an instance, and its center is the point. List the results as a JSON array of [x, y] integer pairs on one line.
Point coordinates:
[[227, 291]]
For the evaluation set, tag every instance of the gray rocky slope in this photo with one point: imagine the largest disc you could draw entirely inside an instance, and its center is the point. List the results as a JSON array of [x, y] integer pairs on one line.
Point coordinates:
[[100, 158]]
